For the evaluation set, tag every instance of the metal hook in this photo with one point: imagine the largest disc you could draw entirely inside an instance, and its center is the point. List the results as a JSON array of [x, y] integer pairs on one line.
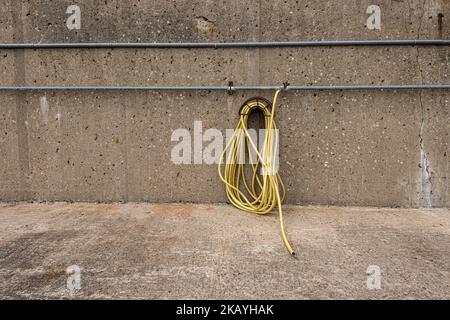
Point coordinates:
[[230, 87]]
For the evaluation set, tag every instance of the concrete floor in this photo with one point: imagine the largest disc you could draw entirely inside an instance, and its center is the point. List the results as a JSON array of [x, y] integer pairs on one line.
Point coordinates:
[[215, 251]]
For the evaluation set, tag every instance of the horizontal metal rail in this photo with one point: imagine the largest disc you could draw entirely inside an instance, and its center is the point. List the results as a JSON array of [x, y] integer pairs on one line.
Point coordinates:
[[227, 88], [251, 44]]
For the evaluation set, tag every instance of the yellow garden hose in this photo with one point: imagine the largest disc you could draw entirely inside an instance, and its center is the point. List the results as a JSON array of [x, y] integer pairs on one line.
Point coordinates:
[[263, 194]]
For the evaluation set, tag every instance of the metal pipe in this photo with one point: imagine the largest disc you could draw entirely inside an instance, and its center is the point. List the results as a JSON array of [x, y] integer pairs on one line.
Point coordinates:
[[252, 44], [372, 87], [226, 88]]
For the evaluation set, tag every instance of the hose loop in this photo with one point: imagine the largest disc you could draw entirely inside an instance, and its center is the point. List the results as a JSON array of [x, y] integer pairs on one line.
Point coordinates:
[[265, 190]]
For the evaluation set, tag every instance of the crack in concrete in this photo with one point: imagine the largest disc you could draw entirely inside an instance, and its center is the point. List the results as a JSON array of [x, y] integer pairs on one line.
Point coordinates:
[[425, 174], [426, 187]]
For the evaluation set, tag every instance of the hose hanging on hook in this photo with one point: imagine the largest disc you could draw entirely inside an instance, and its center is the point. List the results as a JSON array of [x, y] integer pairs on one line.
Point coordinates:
[[263, 194]]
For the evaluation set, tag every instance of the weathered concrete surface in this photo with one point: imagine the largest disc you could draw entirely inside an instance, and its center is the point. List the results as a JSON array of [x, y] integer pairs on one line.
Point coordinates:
[[359, 148], [215, 251]]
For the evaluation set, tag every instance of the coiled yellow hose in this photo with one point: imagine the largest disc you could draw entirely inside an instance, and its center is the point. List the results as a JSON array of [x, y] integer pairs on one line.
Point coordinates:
[[262, 195]]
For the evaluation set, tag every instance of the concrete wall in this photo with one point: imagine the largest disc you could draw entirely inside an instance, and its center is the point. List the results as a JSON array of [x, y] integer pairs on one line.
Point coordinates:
[[338, 148]]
